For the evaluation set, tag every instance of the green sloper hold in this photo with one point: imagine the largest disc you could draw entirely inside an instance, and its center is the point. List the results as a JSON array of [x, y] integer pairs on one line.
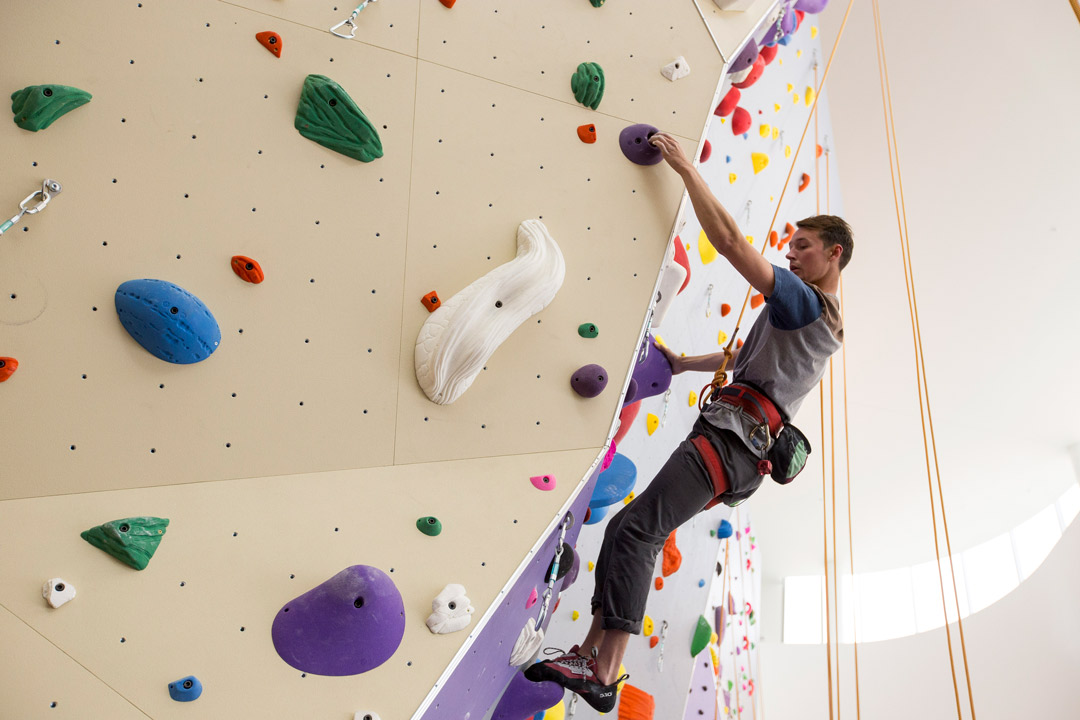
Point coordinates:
[[131, 540], [588, 84], [588, 330], [328, 116], [702, 633], [597, 3], [36, 107], [429, 525]]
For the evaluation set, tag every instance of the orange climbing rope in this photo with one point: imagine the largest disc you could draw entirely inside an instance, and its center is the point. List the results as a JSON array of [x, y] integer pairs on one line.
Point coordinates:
[[720, 377], [1076, 8], [920, 367]]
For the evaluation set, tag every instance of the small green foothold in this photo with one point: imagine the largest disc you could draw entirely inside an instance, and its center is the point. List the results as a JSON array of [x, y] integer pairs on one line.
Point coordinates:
[[328, 116], [702, 635], [36, 107], [587, 330], [597, 3], [588, 84], [712, 533], [131, 540], [429, 525]]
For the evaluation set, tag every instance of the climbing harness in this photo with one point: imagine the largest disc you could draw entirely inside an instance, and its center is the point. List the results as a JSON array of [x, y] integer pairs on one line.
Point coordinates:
[[49, 188], [349, 21], [567, 522]]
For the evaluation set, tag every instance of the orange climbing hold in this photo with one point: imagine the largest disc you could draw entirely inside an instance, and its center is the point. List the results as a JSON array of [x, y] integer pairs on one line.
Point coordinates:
[[819, 151], [672, 556], [659, 583], [756, 300], [431, 301], [789, 229], [587, 133], [271, 41], [247, 269], [448, 3], [724, 310], [8, 366], [773, 238], [654, 641], [738, 344], [804, 182], [636, 704]]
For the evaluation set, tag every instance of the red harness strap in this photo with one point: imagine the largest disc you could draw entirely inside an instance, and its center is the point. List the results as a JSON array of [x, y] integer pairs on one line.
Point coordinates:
[[754, 403], [712, 463]]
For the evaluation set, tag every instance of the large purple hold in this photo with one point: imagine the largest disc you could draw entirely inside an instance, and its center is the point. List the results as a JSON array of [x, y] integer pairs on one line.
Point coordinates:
[[811, 6], [634, 141], [350, 624], [589, 380], [524, 698], [651, 376], [787, 25], [745, 59]]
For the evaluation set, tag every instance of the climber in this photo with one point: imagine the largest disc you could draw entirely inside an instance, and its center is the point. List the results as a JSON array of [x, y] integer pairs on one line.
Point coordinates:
[[729, 450]]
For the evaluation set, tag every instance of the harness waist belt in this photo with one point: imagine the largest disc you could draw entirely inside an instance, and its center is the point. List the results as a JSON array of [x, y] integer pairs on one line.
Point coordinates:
[[760, 407], [712, 463]]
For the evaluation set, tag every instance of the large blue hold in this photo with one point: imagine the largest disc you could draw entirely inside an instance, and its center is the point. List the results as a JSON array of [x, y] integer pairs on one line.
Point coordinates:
[[615, 483], [167, 320]]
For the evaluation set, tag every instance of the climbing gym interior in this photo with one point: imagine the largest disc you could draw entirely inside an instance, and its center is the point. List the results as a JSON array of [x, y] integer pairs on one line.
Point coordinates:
[[332, 337]]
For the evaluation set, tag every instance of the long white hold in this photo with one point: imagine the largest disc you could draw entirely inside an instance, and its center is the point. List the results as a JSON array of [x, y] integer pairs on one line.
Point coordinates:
[[457, 339]]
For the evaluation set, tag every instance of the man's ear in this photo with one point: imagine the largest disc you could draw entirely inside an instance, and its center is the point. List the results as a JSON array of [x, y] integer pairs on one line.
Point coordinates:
[[836, 251]]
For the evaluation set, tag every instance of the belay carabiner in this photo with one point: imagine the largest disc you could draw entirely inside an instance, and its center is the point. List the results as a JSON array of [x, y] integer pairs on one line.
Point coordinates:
[[49, 188]]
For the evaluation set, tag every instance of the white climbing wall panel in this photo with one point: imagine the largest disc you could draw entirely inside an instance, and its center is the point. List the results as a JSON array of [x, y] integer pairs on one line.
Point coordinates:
[[304, 445]]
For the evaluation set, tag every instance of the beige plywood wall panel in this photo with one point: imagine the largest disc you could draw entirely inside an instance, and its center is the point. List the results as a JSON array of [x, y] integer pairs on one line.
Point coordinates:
[[235, 552], [486, 157], [181, 160]]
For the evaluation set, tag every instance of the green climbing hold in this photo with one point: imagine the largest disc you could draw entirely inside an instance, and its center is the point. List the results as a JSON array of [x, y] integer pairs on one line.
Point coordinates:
[[36, 107], [597, 3], [328, 116], [588, 84], [702, 633], [131, 540], [429, 525], [587, 330]]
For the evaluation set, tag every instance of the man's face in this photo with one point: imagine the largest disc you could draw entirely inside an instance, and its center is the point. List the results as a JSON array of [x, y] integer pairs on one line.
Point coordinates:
[[807, 257]]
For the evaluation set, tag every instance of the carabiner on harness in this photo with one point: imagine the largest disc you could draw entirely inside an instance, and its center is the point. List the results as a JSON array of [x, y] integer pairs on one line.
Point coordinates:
[[49, 188], [349, 21]]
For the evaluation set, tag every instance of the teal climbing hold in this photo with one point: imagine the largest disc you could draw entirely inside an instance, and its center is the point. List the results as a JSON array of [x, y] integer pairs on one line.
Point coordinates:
[[588, 330], [131, 540], [588, 84], [328, 116], [429, 525], [702, 634], [36, 107]]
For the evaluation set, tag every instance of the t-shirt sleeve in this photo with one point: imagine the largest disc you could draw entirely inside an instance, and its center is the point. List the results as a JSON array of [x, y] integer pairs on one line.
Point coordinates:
[[793, 304]]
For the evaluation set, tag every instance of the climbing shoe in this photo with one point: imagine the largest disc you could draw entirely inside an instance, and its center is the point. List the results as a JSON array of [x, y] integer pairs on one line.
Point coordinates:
[[578, 675]]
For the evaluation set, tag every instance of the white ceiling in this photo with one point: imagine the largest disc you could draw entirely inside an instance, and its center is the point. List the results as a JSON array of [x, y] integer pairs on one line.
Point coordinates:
[[986, 106]]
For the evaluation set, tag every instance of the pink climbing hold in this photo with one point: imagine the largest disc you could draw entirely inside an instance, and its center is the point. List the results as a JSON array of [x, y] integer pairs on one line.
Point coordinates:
[[608, 457], [533, 597], [740, 121], [543, 482], [729, 103]]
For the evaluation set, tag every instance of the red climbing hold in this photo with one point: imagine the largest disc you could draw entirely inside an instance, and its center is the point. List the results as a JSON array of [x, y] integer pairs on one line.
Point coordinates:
[[271, 41], [756, 300], [8, 365], [681, 259], [799, 15], [804, 182], [755, 74], [768, 53], [247, 269], [626, 419], [431, 301], [706, 151], [740, 121], [448, 3], [659, 583], [729, 103], [587, 133], [654, 641], [724, 310]]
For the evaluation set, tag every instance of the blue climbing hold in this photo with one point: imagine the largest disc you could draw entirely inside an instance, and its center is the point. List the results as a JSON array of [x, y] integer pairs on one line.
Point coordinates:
[[725, 530], [701, 583], [728, 158], [167, 320], [614, 484], [185, 689]]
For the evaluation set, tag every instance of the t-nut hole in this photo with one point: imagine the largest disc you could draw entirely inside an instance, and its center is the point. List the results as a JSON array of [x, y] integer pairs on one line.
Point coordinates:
[[452, 605], [358, 602], [47, 92], [637, 140], [676, 64], [188, 684], [59, 587], [431, 521], [333, 102], [174, 310], [600, 378], [125, 527], [273, 41], [249, 266], [498, 303]]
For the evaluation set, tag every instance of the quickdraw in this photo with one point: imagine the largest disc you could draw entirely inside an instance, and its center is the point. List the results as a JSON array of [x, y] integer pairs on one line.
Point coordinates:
[[49, 188], [349, 21]]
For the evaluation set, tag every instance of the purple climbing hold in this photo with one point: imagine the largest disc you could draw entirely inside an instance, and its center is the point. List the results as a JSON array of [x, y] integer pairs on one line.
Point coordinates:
[[524, 698], [811, 6], [589, 380], [349, 624], [634, 141], [652, 375], [745, 59], [575, 567]]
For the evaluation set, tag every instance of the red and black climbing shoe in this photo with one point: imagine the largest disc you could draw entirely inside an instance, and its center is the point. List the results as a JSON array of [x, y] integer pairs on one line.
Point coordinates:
[[578, 675]]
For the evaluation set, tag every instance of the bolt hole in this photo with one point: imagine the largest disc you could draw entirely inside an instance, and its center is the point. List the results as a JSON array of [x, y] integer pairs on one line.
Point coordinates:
[[333, 102], [358, 603], [187, 684], [498, 303], [174, 310], [124, 528], [59, 587]]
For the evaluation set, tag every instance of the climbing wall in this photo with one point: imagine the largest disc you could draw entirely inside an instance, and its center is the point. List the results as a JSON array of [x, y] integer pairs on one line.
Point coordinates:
[[719, 580], [304, 445]]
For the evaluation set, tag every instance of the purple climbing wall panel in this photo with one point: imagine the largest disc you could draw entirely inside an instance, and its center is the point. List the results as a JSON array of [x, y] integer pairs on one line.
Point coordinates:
[[481, 676], [701, 702]]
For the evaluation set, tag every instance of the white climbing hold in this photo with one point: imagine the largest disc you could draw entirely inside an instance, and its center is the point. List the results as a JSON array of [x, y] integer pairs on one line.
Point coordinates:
[[528, 643], [458, 338], [57, 591], [676, 69], [450, 610]]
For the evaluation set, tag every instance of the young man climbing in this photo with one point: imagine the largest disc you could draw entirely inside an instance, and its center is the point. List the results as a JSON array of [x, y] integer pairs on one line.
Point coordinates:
[[726, 455]]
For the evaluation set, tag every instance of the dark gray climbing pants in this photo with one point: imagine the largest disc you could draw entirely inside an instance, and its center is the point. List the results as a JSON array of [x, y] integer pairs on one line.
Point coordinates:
[[636, 534]]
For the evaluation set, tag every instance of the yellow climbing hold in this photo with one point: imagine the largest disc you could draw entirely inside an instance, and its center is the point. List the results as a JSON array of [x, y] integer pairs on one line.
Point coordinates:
[[556, 712], [776, 107], [809, 96], [796, 98], [622, 674], [706, 251], [629, 498], [765, 130], [575, 615], [591, 565], [723, 120], [647, 626], [813, 31], [732, 177], [780, 60], [720, 340], [775, 133], [787, 151], [790, 87], [798, 53], [750, 239], [660, 340], [693, 398], [760, 160], [651, 423], [715, 660], [714, 638]]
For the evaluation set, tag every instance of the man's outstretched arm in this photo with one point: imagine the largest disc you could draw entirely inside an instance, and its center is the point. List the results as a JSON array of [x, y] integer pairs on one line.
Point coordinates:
[[721, 229]]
